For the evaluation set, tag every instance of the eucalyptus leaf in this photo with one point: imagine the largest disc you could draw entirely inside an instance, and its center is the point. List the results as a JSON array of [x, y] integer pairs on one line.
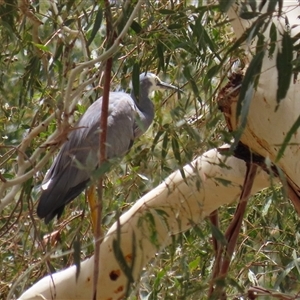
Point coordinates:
[[225, 4], [97, 25], [284, 66]]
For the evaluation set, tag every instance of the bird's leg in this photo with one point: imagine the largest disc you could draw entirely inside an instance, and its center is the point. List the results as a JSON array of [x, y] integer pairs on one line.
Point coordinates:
[[92, 200]]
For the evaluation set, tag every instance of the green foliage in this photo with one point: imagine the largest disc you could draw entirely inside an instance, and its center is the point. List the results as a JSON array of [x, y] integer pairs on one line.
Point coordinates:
[[190, 45]]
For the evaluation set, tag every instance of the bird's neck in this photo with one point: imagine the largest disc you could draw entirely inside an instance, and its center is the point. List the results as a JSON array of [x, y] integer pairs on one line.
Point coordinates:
[[143, 102], [145, 107]]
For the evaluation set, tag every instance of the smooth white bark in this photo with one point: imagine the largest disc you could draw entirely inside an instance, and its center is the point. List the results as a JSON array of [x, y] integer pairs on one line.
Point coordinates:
[[266, 129], [172, 207]]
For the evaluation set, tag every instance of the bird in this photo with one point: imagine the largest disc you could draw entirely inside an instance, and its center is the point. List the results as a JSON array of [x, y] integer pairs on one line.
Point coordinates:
[[70, 173]]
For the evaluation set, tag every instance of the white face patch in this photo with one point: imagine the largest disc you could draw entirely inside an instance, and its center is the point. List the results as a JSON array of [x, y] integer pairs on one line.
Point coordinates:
[[153, 80], [153, 83]]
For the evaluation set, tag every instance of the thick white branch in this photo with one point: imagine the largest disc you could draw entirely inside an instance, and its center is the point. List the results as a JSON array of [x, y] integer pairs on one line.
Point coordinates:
[[174, 206]]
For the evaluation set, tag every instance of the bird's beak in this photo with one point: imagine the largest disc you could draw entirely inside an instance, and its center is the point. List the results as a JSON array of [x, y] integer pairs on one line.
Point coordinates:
[[164, 85]]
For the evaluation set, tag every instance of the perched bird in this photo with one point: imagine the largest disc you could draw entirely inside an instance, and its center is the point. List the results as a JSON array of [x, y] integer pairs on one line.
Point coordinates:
[[70, 173]]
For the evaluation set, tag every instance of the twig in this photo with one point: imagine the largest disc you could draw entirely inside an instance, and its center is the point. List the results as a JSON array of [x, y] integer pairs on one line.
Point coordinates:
[[257, 291], [235, 225], [102, 150], [16, 183], [223, 257], [109, 53], [61, 21], [214, 219]]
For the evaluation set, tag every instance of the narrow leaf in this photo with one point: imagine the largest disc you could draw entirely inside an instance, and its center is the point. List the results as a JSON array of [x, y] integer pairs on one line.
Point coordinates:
[[225, 5], [136, 80], [246, 94], [260, 45], [213, 71], [252, 4], [255, 30], [280, 4], [166, 11], [156, 138], [273, 39], [218, 235], [262, 4], [251, 76], [164, 149], [120, 257], [249, 34], [272, 6], [97, 25], [160, 54], [285, 272], [247, 15], [190, 78], [41, 47], [287, 138], [136, 27], [68, 22], [175, 26], [193, 265], [210, 43], [243, 116], [284, 67], [103, 169], [69, 4], [175, 147], [176, 151], [77, 256]]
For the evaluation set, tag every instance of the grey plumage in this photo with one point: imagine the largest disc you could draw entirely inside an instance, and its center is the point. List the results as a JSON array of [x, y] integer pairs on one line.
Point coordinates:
[[71, 170]]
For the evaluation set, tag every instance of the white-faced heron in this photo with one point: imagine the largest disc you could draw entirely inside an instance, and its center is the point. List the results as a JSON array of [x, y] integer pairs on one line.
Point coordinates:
[[70, 172]]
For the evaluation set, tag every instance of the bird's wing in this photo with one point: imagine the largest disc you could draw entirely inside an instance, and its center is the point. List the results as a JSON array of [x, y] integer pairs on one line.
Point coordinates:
[[65, 179], [78, 157], [120, 124]]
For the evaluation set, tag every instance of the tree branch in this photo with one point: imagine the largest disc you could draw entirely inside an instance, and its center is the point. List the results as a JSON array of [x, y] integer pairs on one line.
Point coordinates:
[[175, 206]]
